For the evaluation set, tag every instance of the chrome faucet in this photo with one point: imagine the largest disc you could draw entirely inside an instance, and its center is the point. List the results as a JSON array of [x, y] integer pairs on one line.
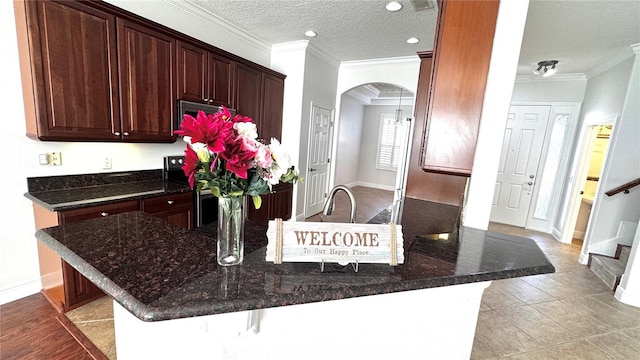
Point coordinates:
[[328, 206]]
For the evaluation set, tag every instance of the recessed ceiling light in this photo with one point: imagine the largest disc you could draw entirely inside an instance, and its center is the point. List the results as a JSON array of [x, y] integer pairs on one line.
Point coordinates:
[[310, 33], [413, 40], [393, 6]]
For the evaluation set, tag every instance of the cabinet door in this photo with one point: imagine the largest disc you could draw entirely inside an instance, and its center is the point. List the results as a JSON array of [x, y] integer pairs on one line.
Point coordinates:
[[74, 73], [176, 209], [147, 83], [276, 204], [272, 100], [248, 92], [78, 290], [281, 201], [461, 63], [192, 72], [221, 78]]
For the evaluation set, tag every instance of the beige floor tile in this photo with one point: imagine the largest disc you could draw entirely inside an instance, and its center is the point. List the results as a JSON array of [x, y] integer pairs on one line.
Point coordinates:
[[100, 309], [574, 350], [617, 344], [496, 336], [495, 298], [540, 327], [525, 292]]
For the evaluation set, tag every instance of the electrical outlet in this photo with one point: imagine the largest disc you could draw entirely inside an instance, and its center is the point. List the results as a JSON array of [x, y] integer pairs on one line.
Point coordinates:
[[43, 159], [55, 158], [107, 163]]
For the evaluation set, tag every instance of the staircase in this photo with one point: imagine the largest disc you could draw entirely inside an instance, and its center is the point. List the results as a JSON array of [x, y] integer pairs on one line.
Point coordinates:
[[610, 269]]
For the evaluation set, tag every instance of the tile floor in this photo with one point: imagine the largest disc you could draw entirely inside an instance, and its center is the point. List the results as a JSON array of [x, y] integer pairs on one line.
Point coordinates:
[[95, 320], [569, 314]]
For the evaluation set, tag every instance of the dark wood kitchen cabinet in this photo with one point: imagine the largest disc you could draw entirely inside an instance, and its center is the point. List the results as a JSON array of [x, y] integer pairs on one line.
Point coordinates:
[[248, 92], [272, 106], [423, 185], [277, 204], [259, 94], [204, 76], [176, 209], [69, 73], [88, 75], [146, 62], [462, 51]]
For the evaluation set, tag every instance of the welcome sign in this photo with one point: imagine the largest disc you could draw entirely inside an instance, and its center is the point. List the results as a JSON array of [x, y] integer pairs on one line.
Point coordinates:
[[341, 243]]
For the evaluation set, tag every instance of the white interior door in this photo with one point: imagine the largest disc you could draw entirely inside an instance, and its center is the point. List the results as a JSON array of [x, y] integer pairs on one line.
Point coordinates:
[[318, 160], [517, 172]]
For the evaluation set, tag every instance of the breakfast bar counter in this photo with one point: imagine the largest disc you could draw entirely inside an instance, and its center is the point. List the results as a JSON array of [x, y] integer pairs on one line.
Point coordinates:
[[155, 271]]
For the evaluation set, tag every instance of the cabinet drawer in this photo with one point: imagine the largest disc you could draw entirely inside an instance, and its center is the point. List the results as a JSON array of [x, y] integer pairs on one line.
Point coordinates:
[[74, 216], [166, 202]]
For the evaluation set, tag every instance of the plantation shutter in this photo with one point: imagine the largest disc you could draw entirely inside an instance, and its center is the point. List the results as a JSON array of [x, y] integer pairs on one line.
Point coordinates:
[[389, 144]]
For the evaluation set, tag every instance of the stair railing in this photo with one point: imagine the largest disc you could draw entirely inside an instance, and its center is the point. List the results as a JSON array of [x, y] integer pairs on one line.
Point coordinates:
[[624, 188]]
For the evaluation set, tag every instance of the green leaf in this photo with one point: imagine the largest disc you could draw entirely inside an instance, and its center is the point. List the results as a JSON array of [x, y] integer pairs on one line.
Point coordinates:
[[257, 201]]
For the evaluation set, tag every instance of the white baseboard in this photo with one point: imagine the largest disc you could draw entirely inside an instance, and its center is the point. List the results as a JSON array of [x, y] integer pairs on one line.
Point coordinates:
[[578, 235], [627, 297], [19, 291], [557, 234], [583, 259], [375, 186]]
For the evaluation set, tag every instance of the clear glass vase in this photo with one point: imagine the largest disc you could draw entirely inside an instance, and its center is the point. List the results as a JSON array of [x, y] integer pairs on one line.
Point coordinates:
[[231, 215]]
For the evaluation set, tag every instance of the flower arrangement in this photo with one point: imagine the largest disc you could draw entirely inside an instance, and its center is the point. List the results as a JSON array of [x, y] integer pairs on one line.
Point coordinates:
[[224, 155]]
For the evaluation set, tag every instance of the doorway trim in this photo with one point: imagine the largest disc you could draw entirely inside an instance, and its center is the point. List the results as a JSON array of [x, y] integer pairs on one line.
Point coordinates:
[[578, 178], [560, 107]]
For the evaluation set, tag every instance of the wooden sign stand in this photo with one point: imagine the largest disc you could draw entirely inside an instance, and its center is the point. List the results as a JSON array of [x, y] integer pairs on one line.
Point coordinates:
[[340, 243]]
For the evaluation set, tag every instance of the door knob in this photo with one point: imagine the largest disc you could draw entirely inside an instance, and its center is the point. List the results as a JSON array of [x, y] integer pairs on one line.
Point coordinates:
[[531, 176], [530, 183], [312, 169]]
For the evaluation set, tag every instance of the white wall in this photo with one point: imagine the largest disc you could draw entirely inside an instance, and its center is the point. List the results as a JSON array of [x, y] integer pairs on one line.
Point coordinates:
[[616, 92], [19, 274], [349, 139], [368, 175], [549, 90]]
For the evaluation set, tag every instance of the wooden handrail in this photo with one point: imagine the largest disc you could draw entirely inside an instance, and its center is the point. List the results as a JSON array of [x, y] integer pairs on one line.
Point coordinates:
[[624, 187]]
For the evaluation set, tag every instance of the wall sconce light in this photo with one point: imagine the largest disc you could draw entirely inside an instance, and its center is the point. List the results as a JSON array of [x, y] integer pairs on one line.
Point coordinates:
[[546, 68]]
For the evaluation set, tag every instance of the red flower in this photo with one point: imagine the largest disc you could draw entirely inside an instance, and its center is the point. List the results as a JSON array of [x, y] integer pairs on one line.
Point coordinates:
[[211, 130], [190, 166], [239, 156]]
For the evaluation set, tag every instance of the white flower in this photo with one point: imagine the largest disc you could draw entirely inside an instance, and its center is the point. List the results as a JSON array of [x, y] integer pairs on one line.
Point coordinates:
[[247, 129], [279, 156]]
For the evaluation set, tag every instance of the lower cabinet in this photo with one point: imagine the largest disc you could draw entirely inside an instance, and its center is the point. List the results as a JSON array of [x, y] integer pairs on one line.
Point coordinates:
[[276, 204], [176, 209]]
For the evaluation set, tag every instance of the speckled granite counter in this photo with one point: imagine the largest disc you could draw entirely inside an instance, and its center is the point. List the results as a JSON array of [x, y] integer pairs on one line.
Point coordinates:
[[57, 193], [159, 272]]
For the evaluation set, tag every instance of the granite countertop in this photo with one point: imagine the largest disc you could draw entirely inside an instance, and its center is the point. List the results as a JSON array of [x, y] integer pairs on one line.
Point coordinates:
[[158, 271], [57, 193]]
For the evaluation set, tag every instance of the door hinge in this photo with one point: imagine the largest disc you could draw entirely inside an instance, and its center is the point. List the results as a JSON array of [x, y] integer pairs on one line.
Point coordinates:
[[328, 160]]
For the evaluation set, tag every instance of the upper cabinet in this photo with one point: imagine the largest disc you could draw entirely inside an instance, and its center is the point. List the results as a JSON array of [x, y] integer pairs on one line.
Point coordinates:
[[204, 76], [147, 82], [462, 53], [69, 71], [94, 72], [259, 95]]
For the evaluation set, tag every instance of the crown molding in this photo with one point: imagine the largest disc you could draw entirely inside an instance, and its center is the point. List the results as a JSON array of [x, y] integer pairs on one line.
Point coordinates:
[[292, 46], [382, 61], [219, 23], [556, 77], [323, 55], [615, 59]]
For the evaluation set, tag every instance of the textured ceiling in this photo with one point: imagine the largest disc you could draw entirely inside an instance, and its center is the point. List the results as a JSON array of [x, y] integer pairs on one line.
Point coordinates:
[[347, 29], [581, 34]]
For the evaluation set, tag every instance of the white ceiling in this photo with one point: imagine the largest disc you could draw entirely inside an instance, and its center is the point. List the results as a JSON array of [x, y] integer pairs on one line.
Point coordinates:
[[581, 34]]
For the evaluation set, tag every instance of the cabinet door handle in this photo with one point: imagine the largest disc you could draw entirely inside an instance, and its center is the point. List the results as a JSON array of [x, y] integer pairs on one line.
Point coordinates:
[[170, 202], [104, 213], [529, 183], [117, 133], [125, 133], [206, 100]]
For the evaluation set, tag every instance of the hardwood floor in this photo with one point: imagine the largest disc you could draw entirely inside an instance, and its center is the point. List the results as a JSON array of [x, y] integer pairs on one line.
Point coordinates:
[[29, 329]]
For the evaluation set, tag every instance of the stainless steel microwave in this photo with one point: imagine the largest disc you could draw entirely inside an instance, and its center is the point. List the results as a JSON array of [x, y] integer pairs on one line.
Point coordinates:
[[191, 108]]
